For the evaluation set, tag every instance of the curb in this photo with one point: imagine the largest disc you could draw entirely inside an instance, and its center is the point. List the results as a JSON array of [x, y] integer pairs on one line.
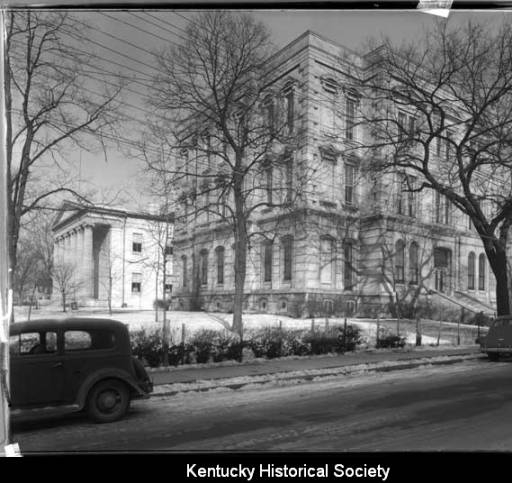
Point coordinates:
[[231, 383]]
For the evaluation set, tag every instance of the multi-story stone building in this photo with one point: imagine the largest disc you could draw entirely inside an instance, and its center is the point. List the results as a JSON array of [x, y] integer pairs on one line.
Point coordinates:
[[104, 253], [353, 241]]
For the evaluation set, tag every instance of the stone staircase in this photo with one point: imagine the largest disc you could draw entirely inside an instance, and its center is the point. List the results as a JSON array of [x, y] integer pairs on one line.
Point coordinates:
[[467, 302]]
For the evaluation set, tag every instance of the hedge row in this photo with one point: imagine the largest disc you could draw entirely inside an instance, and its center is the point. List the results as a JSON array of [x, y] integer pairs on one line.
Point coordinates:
[[214, 346]]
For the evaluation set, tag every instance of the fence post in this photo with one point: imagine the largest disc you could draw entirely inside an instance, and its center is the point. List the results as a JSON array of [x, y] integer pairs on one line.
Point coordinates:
[[326, 324], [377, 334], [439, 333], [398, 325], [418, 331], [183, 343], [345, 333], [312, 326], [461, 318]]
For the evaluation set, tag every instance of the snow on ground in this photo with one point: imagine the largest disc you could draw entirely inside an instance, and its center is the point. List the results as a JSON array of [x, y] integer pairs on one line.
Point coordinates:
[[192, 322], [295, 377]]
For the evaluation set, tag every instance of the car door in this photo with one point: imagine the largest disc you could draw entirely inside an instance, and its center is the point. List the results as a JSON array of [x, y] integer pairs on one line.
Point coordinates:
[[37, 372]]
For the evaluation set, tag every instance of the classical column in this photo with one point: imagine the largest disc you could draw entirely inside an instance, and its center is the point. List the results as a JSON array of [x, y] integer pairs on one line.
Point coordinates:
[[88, 262]]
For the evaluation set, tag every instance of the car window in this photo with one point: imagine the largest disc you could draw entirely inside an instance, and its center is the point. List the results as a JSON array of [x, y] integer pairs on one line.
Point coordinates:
[[88, 339], [31, 343], [77, 340]]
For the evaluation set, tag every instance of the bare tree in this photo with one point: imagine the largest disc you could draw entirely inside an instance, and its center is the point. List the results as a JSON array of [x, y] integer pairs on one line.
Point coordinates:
[[51, 104], [219, 130], [440, 110], [66, 281]]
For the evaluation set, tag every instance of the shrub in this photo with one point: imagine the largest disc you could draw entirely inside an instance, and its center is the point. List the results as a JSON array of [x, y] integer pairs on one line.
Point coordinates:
[[335, 340], [266, 342], [390, 341], [351, 339], [323, 342], [181, 354], [147, 346], [203, 343]]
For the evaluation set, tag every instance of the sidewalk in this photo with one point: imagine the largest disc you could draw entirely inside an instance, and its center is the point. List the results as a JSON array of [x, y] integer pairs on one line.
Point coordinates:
[[204, 377]]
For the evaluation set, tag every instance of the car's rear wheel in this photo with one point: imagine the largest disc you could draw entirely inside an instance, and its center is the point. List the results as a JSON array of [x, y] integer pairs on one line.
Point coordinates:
[[493, 356], [108, 401]]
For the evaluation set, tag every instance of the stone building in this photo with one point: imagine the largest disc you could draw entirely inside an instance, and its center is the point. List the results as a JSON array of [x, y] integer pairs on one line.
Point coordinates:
[[353, 243], [104, 253]]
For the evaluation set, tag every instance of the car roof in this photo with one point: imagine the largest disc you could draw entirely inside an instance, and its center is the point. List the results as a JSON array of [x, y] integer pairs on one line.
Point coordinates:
[[67, 323]]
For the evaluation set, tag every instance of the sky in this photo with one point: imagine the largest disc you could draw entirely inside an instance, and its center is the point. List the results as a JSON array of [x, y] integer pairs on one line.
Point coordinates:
[[124, 42]]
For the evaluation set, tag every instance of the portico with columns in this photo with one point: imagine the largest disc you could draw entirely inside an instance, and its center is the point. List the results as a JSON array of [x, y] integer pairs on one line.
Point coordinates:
[[97, 247]]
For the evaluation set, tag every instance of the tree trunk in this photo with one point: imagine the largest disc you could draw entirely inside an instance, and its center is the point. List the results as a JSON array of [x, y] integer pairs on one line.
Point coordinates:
[[240, 232], [240, 271], [499, 267], [165, 328]]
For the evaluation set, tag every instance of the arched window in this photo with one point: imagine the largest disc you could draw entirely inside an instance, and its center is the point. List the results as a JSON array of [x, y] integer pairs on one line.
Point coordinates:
[[481, 272], [287, 247], [413, 263], [267, 261], [399, 261], [326, 260], [184, 270], [203, 267], [219, 253], [348, 267], [471, 271]]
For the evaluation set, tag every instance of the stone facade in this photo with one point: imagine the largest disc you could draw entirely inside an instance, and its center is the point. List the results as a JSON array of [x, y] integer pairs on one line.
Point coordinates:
[[113, 254], [336, 253]]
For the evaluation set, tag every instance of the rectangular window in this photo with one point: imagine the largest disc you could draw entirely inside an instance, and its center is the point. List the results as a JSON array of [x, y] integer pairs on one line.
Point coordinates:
[[326, 261], [220, 265], [269, 183], [401, 125], [411, 197], [168, 250], [290, 110], [412, 127], [168, 287], [287, 259], [289, 179], [267, 262], [442, 209], [270, 115], [136, 283], [348, 268], [350, 175], [137, 243], [350, 116]]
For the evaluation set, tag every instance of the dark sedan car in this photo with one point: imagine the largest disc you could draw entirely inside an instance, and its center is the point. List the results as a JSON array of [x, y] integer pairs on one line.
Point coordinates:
[[73, 365], [498, 341]]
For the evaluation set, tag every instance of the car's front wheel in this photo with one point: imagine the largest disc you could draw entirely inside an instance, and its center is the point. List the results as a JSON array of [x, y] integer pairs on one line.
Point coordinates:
[[108, 401]]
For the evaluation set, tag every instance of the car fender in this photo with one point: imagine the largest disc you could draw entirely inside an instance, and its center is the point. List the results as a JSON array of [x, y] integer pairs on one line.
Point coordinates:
[[101, 375]]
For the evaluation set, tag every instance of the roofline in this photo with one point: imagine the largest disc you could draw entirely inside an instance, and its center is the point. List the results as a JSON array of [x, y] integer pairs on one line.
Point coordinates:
[[321, 37], [82, 209]]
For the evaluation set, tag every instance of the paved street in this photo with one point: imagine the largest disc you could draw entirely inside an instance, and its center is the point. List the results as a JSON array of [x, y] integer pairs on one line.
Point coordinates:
[[466, 406]]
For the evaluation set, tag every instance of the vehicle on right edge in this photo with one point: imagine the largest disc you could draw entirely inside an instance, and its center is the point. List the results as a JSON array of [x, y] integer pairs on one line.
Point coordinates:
[[498, 341]]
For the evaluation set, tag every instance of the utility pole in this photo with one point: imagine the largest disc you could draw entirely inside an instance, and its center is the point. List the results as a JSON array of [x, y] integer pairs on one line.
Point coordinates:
[[5, 291]]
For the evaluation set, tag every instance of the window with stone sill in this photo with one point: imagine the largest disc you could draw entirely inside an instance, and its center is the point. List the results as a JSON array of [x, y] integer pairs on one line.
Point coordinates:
[[137, 243], [136, 283]]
